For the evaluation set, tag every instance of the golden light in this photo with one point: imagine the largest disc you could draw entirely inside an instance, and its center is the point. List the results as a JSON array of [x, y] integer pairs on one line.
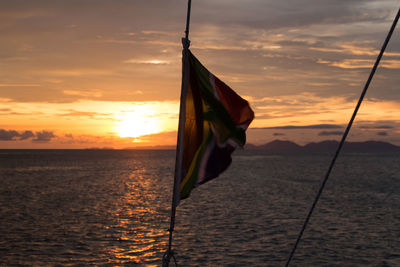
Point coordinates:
[[142, 120]]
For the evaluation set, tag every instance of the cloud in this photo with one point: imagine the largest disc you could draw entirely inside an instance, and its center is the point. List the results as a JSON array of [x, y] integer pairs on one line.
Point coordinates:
[[328, 133], [150, 61], [8, 135], [284, 42], [44, 136], [382, 133], [376, 127], [12, 135], [86, 93], [26, 135], [362, 64], [292, 127], [305, 60], [278, 134], [18, 85], [76, 72], [77, 113]]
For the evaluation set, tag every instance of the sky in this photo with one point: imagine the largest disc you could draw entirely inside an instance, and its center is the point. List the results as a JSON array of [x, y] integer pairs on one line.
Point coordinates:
[[107, 74]]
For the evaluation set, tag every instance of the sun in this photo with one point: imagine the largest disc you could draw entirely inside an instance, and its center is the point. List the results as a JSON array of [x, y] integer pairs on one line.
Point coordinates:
[[139, 121]]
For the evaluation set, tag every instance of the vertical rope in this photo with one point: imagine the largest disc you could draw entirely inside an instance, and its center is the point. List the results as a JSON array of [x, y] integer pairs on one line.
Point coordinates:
[[344, 136], [188, 20], [179, 149]]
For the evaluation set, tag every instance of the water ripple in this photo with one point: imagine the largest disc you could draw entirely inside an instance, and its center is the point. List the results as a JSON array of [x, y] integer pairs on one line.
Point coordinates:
[[111, 208]]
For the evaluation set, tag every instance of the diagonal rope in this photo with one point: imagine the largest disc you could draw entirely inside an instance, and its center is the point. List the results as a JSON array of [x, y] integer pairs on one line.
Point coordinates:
[[344, 136]]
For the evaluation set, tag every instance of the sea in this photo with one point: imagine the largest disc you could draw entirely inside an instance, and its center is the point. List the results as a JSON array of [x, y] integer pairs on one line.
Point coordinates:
[[112, 208]]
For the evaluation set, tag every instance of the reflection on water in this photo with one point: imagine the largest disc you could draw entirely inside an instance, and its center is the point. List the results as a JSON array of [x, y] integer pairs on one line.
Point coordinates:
[[135, 225], [111, 208], [84, 207]]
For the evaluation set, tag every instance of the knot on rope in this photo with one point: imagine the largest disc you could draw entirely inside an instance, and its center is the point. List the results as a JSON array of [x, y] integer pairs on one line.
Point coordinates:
[[167, 257], [185, 43]]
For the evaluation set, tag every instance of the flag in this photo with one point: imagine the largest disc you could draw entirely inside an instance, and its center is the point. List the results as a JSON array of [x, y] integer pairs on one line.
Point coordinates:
[[216, 119]]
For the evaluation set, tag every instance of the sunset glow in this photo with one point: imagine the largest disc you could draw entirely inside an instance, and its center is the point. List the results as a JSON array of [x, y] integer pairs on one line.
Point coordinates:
[[78, 75], [141, 121]]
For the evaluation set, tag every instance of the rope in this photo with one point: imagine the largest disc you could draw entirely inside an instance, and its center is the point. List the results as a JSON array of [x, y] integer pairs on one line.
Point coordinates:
[[167, 258], [179, 150], [344, 136]]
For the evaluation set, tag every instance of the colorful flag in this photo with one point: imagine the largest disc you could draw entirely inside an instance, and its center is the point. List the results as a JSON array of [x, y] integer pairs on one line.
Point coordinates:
[[215, 124]]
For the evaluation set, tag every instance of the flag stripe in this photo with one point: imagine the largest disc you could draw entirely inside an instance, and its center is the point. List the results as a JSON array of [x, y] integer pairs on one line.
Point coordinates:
[[227, 128], [216, 120], [238, 108], [190, 181]]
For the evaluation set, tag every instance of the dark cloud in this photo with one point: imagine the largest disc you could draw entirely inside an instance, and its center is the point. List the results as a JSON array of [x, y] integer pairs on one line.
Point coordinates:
[[278, 134], [152, 13], [263, 49], [8, 135], [376, 127], [13, 135], [328, 133], [261, 13], [382, 133], [143, 30], [76, 113], [291, 127], [26, 135], [44, 136]]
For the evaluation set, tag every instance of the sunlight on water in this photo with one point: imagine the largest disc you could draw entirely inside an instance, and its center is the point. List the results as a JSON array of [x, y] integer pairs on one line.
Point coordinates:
[[111, 208], [136, 213]]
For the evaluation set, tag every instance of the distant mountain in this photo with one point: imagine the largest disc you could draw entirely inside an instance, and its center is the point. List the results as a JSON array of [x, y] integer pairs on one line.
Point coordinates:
[[249, 146], [370, 146], [324, 146], [279, 145], [327, 146]]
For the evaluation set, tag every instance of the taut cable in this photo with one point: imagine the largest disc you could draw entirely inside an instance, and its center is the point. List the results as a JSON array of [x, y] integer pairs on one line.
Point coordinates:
[[344, 136]]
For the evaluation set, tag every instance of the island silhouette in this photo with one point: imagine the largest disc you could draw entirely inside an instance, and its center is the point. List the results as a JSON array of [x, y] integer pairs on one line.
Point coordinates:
[[325, 146]]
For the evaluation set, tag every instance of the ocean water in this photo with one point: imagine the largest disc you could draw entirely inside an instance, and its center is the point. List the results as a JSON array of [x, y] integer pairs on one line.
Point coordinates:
[[111, 208]]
